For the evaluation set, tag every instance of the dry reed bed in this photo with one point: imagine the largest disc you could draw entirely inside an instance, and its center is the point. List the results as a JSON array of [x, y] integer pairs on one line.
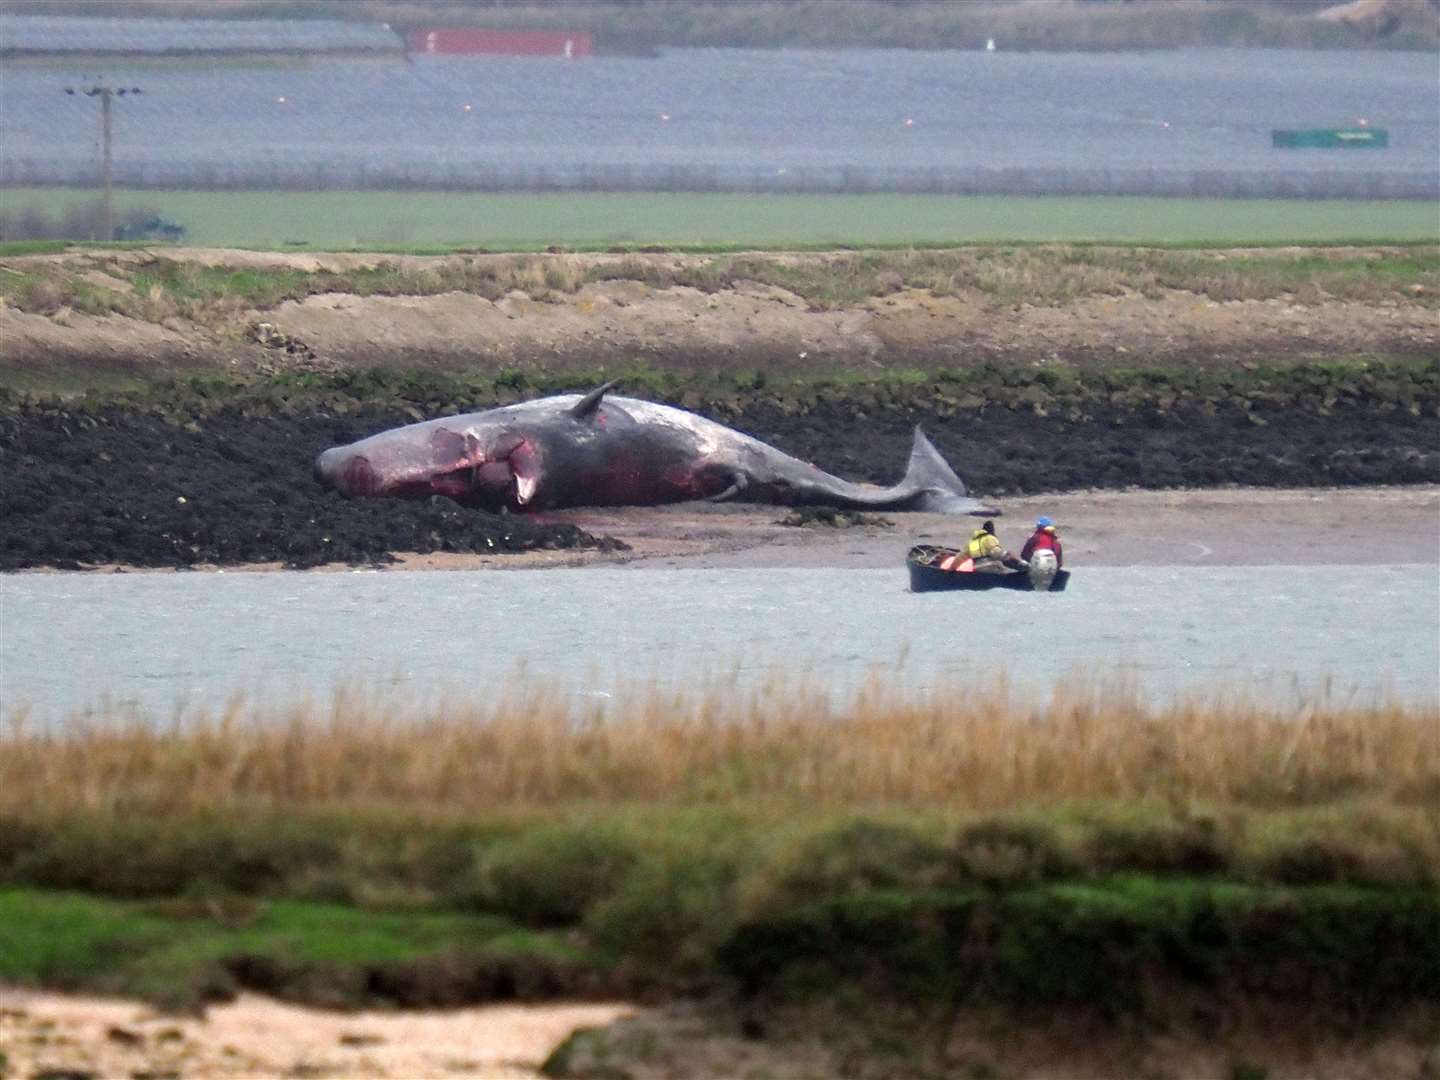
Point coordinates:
[[781, 743]]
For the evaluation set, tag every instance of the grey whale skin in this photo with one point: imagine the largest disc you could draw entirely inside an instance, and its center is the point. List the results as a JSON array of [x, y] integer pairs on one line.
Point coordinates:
[[598, 450]]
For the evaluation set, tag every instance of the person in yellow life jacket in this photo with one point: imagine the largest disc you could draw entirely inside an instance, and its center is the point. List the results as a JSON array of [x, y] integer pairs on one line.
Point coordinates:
[[988, 554]]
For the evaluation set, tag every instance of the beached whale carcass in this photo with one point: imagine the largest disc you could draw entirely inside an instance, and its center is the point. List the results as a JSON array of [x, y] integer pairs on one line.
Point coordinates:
[[602, 450]]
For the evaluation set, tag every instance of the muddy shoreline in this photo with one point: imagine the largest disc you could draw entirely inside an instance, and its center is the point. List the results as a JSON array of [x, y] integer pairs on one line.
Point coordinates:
[[162, 408], [1184, 527], [104, 484]]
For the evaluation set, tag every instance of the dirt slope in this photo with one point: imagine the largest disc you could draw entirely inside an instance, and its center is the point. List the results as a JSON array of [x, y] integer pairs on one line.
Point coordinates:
[[560, 318]]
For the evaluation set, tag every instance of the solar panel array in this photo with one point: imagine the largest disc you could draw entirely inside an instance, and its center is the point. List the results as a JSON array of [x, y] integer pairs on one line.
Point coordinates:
[[1183, 122], [59, 33]]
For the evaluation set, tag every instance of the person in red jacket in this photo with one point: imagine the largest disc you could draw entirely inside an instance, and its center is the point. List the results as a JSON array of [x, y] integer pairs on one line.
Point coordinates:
[[1044, 538]]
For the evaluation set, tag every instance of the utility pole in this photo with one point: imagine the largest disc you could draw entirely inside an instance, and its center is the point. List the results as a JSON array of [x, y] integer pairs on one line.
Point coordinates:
[[107, 95]]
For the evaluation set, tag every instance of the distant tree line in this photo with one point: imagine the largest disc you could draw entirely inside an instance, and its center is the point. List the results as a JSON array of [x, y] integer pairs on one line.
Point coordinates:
[[645, 25]]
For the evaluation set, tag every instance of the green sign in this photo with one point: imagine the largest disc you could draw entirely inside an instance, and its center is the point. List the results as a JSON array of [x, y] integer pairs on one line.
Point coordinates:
[[1367, 138]]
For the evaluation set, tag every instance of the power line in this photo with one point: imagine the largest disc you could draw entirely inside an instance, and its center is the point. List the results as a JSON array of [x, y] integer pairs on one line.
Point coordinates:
[[106, 94]]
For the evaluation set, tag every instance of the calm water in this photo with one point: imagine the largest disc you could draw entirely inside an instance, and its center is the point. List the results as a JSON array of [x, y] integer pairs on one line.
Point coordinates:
[[169, 640], [1183, 110]]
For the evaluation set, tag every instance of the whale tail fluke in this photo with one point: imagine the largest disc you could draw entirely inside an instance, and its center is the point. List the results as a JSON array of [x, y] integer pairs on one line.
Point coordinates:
[[940, 491]]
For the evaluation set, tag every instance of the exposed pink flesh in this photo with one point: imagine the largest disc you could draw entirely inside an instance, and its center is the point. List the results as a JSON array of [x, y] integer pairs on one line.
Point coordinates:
[[460, 466], [449, 450], [453, 484], [493, 474]]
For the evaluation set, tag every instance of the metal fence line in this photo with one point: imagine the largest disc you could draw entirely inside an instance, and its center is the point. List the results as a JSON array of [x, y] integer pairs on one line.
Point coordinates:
[[843, 179]]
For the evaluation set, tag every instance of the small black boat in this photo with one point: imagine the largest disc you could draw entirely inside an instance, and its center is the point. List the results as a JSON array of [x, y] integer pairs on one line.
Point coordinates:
[[926, 574]]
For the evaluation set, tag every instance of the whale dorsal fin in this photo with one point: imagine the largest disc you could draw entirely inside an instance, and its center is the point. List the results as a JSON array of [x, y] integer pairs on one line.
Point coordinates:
[[591, 401]]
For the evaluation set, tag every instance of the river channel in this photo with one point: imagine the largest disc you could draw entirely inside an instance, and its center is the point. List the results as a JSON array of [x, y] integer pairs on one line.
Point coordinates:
[[169, 645]]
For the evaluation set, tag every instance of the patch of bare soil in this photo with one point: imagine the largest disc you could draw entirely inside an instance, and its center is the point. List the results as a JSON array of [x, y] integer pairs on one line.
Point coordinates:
[[1236, 527], [776, 330], [55, 1035]]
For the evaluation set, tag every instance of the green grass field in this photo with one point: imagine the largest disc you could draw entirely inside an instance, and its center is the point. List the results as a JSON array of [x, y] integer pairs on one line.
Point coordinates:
[[429, 220]]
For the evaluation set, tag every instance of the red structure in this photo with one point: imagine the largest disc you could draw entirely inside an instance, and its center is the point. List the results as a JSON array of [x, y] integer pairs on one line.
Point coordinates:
[[460, 41]]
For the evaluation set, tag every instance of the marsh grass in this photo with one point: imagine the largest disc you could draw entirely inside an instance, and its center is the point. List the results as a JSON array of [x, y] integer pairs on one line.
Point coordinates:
[[387, 802], [786, 741]]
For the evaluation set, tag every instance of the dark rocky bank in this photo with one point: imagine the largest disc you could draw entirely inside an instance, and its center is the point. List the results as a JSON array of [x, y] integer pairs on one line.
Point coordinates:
[[111, 485], [213, 474]]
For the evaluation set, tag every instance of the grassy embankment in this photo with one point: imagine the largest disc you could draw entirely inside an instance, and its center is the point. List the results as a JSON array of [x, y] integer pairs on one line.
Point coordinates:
[[532, 221], [960, 846], [158, 286], [218, 297]]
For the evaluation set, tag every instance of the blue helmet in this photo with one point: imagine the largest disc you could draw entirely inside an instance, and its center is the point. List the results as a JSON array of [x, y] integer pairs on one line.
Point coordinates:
[[1043, 523]]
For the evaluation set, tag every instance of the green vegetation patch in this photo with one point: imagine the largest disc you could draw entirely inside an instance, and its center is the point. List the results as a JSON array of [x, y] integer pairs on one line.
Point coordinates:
[[1123, 943], [1126, 944], [185, 951], [1062, 905], [420, 221]]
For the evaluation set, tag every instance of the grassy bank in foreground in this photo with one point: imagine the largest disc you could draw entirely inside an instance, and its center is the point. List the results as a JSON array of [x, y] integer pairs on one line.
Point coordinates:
[[771, 843], [431, 221], [1119, 945]]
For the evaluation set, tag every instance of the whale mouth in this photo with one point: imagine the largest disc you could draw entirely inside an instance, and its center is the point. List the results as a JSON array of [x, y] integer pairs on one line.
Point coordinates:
[[511, 477], [505, 473]]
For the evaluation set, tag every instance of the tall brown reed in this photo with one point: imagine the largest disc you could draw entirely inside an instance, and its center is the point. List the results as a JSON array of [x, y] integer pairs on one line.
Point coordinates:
[[784, 741]]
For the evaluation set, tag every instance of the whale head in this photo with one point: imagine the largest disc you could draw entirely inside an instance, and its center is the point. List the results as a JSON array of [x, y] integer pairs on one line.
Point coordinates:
[[476, 461]]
